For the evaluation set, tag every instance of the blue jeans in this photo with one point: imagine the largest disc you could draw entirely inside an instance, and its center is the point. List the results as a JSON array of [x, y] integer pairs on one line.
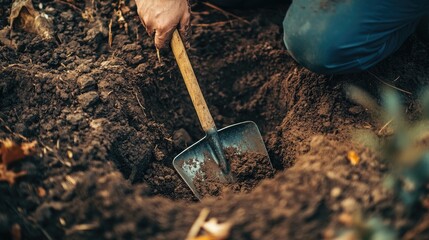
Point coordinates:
[[343, 36]]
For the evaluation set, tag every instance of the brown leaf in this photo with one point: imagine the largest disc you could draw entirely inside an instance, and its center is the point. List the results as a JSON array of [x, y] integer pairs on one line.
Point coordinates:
[[10, 176], [11, 152], [353, 158], [30, 20]]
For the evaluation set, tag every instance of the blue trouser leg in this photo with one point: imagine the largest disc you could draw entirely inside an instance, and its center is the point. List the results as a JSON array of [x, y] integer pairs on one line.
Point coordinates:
[[346, 36]]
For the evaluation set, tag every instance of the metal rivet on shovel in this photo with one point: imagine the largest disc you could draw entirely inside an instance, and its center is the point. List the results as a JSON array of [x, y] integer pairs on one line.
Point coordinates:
[[244, 137]]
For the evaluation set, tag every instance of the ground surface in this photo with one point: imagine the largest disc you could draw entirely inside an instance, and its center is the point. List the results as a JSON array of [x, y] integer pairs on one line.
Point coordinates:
[[109, 121]]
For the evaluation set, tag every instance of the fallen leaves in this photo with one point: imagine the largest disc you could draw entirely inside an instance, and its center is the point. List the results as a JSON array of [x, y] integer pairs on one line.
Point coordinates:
[[11, 152], [218, 231], [213, 230], [30, 20], [353, 158]]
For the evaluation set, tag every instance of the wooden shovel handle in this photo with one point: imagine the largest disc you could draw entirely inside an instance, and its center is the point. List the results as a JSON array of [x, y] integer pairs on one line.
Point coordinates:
[[191, 82]]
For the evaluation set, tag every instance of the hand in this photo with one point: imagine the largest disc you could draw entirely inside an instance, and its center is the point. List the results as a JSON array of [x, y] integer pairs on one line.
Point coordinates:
[[162, 17]]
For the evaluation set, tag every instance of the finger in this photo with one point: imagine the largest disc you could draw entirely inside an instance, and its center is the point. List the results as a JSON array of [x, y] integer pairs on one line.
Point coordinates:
[[163, 37], [149, 28], [185, 27]]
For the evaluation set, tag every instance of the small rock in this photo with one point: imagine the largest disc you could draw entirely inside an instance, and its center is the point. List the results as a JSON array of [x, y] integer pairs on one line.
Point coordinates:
[[133, 47], [88, 99], [98, 123], [356, 110], [317, 141], [67, 16], [377, 195], [349, 205], [74, 119], [181, 139], [86, 82], [336, 192], [83, 68]]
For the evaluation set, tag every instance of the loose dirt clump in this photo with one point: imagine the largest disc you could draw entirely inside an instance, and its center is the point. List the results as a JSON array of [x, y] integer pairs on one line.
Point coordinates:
[[247, 170]]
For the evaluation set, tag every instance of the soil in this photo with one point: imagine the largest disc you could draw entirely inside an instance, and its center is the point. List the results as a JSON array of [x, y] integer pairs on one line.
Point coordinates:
[[109, 120], [247, 169]]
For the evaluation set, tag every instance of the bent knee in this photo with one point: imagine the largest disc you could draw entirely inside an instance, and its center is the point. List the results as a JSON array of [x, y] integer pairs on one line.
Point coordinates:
[[326, 55]]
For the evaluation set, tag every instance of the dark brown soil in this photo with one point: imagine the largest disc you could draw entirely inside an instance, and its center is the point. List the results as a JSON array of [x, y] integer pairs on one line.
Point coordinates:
[[247, 170], [109, 121]]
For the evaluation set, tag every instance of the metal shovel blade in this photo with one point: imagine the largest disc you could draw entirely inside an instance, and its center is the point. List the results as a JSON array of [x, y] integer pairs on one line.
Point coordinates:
[[190, 164]]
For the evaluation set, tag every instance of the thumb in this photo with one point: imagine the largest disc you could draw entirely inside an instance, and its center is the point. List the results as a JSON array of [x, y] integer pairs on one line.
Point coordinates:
[[162, 37]]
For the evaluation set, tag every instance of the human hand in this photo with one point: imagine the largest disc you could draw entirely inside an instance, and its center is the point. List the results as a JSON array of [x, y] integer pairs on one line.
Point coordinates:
[[162, 17]]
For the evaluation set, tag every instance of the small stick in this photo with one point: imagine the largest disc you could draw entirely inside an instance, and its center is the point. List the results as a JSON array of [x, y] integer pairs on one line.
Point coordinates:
[[110, 33], [225, 12], [385, 126], [140, 104], [421, 227], [69, 4], [211, 24], [158, 55], [193, 232], [390, 85]]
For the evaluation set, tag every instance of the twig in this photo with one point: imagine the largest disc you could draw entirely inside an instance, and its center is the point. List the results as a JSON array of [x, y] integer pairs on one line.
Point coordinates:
[[388, 84], [69, 4], [158, 55], [110, 33], [140, 104], [225, 12], [10, 130], [215, 24], [421, 227], [193, 232], [385, 126]]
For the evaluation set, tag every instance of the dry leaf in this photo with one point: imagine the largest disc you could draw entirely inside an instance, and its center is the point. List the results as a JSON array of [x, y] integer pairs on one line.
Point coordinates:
[[11, 152], [4, 38], [10, 176], [30, 20], [353, 158], [219, 231]]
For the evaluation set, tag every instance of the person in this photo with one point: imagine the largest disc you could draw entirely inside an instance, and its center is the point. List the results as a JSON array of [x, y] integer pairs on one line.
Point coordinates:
[[325, 36]]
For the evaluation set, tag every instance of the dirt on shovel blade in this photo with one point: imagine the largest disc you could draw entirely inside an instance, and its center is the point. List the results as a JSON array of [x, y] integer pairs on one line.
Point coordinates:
[[248, 169]]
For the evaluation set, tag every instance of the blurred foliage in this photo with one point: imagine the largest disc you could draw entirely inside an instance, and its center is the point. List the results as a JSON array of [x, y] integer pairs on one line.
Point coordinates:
[[406, 149], [367, 229]]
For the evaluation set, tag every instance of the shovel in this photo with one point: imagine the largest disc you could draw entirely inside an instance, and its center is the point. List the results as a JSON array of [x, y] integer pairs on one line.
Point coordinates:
[[205, 161]]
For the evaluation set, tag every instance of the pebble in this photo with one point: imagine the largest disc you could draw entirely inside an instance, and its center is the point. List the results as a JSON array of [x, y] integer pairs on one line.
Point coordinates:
[[349, 205], [86, 82], [88, 99], [75, 118], [181, 139], [356, 110], [67, 16], [336, 192], [83, 68], [316, 141]]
